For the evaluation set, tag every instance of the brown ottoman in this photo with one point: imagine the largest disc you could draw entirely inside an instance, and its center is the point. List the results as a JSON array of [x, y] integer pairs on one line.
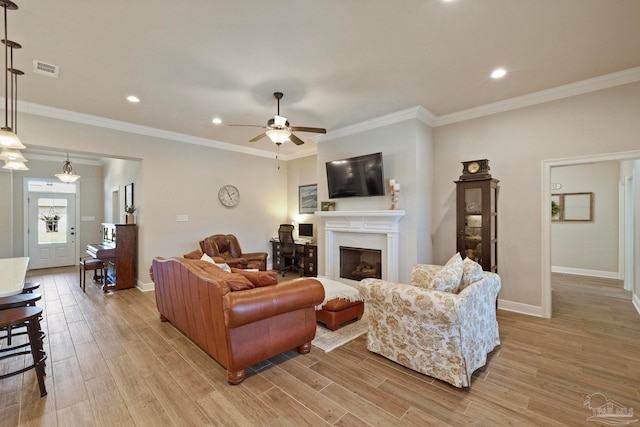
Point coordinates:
[[337, 311]]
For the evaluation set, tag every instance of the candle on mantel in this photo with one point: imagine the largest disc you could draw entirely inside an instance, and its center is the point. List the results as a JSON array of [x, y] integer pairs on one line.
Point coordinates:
[[392, 182], [396, 187]]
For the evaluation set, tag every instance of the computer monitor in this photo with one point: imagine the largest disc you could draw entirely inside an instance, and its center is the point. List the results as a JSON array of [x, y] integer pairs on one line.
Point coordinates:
[[305, 230]]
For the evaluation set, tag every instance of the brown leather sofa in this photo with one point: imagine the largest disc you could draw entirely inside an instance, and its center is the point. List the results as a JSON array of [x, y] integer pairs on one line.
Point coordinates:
[[239, 318], [226, 246]]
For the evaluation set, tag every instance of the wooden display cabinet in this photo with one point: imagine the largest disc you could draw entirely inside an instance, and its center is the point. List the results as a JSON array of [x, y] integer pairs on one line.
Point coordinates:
[[477, 220]]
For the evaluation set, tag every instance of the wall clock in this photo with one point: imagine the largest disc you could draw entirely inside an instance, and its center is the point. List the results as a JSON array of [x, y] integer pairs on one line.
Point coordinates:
[[229, 195]]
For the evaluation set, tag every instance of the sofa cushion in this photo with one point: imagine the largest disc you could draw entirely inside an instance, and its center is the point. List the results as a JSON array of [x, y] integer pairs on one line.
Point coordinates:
[[235, 281], [471, 272], [258, 278], [221, 265], [449, 277]]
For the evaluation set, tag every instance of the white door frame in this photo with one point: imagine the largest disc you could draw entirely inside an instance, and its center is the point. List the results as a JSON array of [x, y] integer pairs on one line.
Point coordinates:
[[628, 231], [25, 219], [546, 213]]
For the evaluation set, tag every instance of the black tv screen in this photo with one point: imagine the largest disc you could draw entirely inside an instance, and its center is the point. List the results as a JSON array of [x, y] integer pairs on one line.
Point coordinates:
[[360, 176]]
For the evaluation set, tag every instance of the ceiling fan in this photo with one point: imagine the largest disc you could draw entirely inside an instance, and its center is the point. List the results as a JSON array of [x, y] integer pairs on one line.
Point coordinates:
[[279, 130]]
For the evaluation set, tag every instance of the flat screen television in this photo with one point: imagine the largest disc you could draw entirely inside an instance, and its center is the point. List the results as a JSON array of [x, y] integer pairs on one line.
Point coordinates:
[[360, 176]]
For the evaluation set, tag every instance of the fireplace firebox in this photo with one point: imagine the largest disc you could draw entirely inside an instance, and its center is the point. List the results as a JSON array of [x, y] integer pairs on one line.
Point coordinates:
[[360, 263]]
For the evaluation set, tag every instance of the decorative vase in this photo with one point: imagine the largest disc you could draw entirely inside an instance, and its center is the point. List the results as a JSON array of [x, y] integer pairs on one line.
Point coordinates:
[[129, 219]]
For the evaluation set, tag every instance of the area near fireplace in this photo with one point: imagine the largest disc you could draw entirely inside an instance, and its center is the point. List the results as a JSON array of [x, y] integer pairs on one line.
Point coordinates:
[[370, 230]]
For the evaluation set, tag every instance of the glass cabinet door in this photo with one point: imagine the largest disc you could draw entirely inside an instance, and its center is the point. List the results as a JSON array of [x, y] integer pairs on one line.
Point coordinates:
[[473, 224], [477, 220]]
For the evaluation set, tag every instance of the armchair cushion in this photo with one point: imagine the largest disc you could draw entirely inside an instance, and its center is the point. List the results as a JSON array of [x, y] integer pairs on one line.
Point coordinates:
[[445, 278], [471, 272], [258, 278]]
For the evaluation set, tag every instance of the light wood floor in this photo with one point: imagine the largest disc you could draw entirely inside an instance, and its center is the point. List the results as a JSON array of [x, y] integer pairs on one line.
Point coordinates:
[[113, 363]]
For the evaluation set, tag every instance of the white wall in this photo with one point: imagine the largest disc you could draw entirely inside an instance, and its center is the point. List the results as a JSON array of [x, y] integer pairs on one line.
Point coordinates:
[[516, 143], [589, 248], [407, 149]]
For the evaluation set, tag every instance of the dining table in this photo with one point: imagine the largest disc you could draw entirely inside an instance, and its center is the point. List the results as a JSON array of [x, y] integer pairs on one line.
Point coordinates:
[[12, 274]]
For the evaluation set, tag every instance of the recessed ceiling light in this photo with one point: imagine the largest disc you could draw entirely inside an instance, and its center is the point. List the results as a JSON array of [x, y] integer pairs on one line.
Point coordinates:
[[217, 120], [134, 99], [498, 73]]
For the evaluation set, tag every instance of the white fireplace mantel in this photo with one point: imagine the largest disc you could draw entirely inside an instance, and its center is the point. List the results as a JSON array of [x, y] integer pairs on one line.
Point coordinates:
[[373, 222]]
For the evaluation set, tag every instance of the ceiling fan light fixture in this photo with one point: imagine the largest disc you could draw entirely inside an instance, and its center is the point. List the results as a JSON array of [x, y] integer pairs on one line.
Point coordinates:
[[15, 165], [67, 174], [278, 136]]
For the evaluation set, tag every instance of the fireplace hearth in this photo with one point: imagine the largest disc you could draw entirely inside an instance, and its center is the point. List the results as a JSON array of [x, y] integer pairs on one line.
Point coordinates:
[[360, 263]]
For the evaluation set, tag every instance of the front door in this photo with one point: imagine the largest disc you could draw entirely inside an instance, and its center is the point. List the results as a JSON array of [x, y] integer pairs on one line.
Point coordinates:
[[52, 230]]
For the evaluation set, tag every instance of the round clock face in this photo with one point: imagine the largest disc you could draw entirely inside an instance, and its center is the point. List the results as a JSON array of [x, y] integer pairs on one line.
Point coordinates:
[[473, 167], [229, 195]]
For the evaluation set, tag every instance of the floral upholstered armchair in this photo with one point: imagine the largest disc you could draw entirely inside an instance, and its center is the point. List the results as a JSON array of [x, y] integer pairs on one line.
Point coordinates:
[[443, 324]]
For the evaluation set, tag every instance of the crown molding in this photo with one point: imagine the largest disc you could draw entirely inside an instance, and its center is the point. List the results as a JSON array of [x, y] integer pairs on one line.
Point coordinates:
[[87, 119], [618, 78], [417, 112], [62, 157]]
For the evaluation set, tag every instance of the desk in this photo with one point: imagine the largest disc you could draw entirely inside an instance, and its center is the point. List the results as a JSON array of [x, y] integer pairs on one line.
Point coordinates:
[[12, 272], [310, 257]]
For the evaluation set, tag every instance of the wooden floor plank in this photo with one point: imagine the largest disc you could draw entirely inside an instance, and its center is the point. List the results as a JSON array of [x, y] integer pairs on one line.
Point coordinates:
[[111, 362]]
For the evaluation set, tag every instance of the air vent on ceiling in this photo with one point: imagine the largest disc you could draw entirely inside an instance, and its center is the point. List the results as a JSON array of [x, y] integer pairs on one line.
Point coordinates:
[[46, 69]]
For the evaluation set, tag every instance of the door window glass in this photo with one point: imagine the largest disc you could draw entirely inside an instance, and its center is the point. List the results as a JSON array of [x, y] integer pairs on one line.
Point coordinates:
[[52, 220]]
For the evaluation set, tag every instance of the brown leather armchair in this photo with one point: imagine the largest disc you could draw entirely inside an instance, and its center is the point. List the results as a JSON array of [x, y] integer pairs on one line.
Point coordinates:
[[226, 246]]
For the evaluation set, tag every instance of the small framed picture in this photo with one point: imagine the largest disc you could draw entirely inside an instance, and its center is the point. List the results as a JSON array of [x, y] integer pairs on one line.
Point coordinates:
[[308, 198], [328, 206]]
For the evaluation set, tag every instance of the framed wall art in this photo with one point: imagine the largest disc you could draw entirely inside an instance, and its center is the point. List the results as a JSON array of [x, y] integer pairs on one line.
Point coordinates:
[[308, 198]]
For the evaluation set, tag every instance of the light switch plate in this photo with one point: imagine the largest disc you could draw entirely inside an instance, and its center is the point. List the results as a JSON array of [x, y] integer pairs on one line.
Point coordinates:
[[182, 217]]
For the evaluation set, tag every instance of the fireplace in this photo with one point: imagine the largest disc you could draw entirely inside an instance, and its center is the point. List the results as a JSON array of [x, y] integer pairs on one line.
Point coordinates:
[[376, 230], [360, 263]]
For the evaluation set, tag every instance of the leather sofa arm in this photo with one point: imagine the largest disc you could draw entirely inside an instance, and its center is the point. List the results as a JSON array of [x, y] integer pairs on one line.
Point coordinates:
[[244, 307], [255, 255]]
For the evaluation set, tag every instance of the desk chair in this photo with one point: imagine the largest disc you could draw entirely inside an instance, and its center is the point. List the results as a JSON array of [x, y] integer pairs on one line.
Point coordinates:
[[289, 249]]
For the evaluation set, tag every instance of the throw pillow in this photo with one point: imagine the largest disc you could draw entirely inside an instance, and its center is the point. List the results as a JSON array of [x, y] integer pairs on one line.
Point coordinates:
[[472, 272], [236, 282], [223, 266], [258, 278], [197, 254], [448, 279]]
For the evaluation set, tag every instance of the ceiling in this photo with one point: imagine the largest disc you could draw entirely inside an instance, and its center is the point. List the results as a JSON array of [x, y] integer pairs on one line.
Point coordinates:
[[338, 62]]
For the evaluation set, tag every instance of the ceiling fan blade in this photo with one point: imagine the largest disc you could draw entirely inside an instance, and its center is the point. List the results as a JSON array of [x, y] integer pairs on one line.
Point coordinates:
[[253, 126], [296, 140], [259, 137], [306, 129]]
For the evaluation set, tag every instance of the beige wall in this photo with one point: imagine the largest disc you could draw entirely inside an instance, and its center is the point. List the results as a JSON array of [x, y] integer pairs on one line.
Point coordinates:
[[6, 208], [179, 179], [589, 248], [117, 174], [516, 143], [303, 171]]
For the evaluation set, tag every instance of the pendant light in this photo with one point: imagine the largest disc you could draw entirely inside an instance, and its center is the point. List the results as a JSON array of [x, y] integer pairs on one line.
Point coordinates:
[[67, 174], [8, 137]]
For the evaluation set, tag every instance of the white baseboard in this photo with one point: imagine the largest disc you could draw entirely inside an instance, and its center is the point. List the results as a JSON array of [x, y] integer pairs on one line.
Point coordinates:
[[636, 302], [517, 307], [584, 272], [145, 287]]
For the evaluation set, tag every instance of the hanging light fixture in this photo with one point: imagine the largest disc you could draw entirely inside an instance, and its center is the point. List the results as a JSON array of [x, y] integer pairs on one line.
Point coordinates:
[[9, 155], [67, 174], [8, 137], [15, 165]]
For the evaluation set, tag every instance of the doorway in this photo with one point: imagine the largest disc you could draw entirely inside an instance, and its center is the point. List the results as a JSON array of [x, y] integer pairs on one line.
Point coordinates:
[[50, 219], [546, 219]]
